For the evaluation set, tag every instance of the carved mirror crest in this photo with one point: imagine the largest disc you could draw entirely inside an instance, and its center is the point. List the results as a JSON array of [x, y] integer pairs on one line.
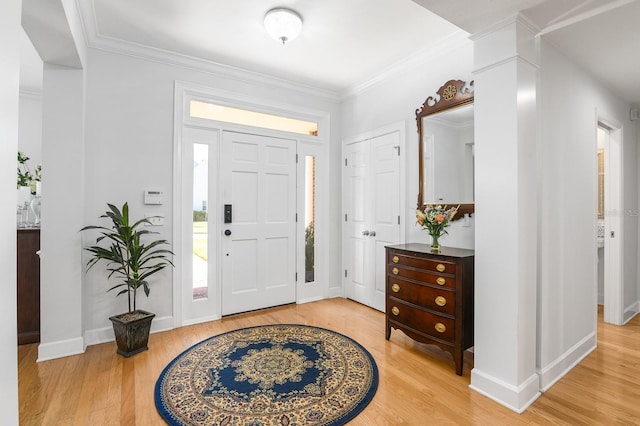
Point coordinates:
[[446, 147]]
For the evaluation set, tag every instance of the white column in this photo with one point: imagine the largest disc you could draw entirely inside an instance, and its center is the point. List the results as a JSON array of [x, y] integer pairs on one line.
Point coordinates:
[[9, 88], [506, 220], [62, 212]]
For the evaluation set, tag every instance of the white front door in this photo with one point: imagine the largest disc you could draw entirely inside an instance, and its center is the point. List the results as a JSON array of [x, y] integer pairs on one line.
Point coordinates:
[[258, 182], [372, 208]]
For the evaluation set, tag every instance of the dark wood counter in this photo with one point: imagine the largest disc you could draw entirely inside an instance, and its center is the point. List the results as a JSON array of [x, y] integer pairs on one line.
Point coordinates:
[[28, 286]]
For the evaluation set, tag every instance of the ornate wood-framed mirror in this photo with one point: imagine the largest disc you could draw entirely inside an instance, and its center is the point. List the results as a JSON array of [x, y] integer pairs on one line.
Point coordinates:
[[445, 160]]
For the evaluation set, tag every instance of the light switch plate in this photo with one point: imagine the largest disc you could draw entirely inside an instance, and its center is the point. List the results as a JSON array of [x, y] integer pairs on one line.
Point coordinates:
[[154, 219]]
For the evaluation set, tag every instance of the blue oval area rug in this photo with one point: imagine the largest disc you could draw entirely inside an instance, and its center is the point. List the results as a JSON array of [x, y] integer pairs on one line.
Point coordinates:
[[268, 375]]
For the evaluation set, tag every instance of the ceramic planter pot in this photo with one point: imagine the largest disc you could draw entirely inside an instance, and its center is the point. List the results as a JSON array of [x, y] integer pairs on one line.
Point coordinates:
[[132, 331]]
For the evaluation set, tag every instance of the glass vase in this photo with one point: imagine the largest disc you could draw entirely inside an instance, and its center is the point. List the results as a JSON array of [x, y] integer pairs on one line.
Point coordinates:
[[435, 245]]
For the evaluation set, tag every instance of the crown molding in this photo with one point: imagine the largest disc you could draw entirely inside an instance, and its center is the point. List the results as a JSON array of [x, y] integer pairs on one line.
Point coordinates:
[[510, 20], [424, 56], [95, 40], [567, 20]]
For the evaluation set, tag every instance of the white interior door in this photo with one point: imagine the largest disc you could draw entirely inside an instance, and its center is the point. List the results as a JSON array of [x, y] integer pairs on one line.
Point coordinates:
[[385, 221], [357, 218], [258, 180], [372, 208]]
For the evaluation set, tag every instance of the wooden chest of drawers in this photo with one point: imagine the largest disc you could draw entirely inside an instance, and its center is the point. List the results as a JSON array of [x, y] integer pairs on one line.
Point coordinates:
[[429, 296]]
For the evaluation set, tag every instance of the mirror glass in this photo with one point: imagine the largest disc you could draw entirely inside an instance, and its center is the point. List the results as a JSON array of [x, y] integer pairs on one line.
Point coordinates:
[[447, 156]]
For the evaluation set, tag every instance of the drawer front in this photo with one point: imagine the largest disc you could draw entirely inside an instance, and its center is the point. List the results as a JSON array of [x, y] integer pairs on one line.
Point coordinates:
[[432, 265], [432, 324], [437, 299], [398, 271]]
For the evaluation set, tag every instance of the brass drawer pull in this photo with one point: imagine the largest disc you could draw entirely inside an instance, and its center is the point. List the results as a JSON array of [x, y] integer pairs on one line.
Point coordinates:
[[395, 271], [440, 301], [440, 267], [441, 281], [440, 327], [395, 288], [395, 311], [395, 259]]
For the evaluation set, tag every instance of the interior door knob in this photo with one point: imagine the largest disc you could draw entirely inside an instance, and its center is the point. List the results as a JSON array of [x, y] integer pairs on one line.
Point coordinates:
[[365, 233], [372, 233], [227, 232]]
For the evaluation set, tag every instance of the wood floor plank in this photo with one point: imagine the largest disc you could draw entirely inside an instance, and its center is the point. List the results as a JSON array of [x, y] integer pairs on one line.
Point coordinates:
[[418, 384]]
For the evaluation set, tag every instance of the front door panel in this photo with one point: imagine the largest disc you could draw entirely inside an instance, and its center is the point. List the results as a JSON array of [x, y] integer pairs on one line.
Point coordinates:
[[258, 256]]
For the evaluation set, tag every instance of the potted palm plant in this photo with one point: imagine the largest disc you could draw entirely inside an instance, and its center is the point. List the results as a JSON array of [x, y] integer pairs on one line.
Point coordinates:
[[131, 258]]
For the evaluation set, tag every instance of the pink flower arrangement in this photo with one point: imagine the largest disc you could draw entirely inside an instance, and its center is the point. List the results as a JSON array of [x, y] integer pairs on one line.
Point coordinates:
[[434, 219]]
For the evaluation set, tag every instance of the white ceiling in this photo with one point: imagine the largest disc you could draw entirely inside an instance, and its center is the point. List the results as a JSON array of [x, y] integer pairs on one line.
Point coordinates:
[[346, 43], [602, 36], [608, 45], [342, 43]]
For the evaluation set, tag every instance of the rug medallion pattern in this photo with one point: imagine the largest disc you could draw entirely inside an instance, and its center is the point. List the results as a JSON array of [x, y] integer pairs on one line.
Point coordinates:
[[268, 375]]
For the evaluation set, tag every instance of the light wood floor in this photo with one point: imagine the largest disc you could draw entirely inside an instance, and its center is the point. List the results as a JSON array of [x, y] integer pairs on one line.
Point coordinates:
[[418, 385]]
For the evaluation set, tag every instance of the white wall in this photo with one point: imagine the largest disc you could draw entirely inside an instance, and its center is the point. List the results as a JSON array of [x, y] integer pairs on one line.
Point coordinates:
[[30, 131], [396, 99], [62, 211], [567, 272], [129, 147], [9, 85]]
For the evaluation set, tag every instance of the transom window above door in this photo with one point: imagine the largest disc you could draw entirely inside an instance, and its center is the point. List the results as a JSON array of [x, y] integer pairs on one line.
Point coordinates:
[[209, 111]]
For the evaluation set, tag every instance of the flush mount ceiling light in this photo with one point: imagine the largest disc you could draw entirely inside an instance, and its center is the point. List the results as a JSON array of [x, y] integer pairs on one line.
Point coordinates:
[[282, 24]]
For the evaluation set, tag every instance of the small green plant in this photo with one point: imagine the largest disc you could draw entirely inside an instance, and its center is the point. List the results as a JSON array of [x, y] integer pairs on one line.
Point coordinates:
[[128, 257], [199, 216], [25, 178], [309, 247]]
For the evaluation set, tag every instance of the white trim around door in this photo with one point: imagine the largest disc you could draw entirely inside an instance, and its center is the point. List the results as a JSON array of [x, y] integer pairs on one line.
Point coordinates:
[[613, 221], [318, 146]]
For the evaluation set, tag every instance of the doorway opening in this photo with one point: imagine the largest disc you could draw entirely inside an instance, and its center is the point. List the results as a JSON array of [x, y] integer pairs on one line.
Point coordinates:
[[239, 197], [602, 139]]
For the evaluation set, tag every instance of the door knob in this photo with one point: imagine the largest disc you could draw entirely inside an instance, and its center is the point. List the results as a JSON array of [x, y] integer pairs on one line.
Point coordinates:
[[227, 232], [372, 233], [365, 233]]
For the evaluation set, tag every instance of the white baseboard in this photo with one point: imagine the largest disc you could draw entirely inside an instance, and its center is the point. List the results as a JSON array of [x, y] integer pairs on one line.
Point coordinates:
[[630, 312], [309, 299], [99, 335], [105, 334], [200, 320], [516, 398], [555, 370], [61, 348], [334, 292], [162, 324]]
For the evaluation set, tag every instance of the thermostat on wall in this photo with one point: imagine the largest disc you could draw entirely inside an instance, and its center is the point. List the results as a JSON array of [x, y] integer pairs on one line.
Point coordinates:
[[153, 196]]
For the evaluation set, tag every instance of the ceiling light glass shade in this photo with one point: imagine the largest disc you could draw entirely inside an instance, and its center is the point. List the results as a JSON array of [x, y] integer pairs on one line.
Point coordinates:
[[282, 24]]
